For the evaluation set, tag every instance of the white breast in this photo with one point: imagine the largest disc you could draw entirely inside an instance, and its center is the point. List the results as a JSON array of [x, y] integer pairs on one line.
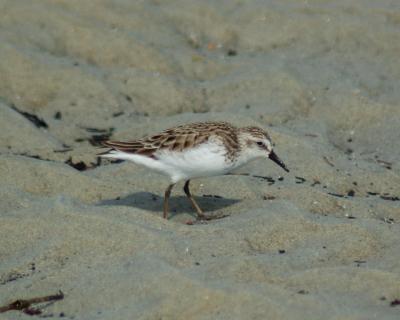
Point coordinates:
[[207, 159]]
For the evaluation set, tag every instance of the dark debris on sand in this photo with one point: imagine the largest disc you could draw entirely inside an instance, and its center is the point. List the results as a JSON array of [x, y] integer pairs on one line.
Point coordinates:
[[38, 122]]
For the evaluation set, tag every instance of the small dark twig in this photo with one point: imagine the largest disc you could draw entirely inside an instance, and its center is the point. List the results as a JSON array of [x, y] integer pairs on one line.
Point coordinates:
[[25, 305], [63, 150], [328, 161], [212, 196], [395, 302], [300, 180], [38, 122], [336, 194], [390, 198]]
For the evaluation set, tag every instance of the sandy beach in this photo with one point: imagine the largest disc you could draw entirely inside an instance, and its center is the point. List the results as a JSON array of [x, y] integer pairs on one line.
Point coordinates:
[[320, 242]]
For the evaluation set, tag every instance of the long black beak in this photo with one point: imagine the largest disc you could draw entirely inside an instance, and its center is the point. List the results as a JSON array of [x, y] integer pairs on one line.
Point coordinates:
[[278, 161]]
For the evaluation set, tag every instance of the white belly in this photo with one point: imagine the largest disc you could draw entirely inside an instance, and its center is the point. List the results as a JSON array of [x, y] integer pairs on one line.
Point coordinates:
[[207, 159]]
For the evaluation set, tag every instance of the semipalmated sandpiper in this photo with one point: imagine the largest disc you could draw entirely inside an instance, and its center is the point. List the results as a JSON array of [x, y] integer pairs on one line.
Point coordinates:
[[195, 150]]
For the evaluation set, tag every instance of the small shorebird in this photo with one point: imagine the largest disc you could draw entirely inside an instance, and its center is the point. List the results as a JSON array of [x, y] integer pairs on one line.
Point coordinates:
[[195, 150]]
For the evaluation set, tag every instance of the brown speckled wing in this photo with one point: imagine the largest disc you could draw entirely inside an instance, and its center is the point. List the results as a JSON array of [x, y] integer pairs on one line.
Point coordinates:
[[136, 147], [194, 134], [180, 138]]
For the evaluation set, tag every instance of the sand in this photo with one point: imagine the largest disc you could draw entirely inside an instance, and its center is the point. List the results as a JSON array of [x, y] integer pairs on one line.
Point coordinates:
[[321, 242]]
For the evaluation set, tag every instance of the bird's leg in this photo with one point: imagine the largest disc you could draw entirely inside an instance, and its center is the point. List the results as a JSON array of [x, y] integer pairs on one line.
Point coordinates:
[[166, 199], [200, 213]]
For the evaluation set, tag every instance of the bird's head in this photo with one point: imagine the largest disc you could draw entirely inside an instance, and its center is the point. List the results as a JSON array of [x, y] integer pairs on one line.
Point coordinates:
[[256, 143]]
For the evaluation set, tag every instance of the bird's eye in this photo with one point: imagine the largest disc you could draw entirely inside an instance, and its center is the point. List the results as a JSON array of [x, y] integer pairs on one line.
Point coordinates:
[[260, 143]]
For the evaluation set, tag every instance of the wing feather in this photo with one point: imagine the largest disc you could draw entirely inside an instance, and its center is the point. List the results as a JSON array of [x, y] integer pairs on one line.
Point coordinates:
[[175, 139]]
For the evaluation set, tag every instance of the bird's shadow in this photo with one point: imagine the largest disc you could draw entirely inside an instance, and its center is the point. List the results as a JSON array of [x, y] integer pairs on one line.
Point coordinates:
[[177, 204]]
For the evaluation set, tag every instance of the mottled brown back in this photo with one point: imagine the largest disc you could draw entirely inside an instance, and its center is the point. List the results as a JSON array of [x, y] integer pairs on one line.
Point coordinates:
[[180, 138]]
